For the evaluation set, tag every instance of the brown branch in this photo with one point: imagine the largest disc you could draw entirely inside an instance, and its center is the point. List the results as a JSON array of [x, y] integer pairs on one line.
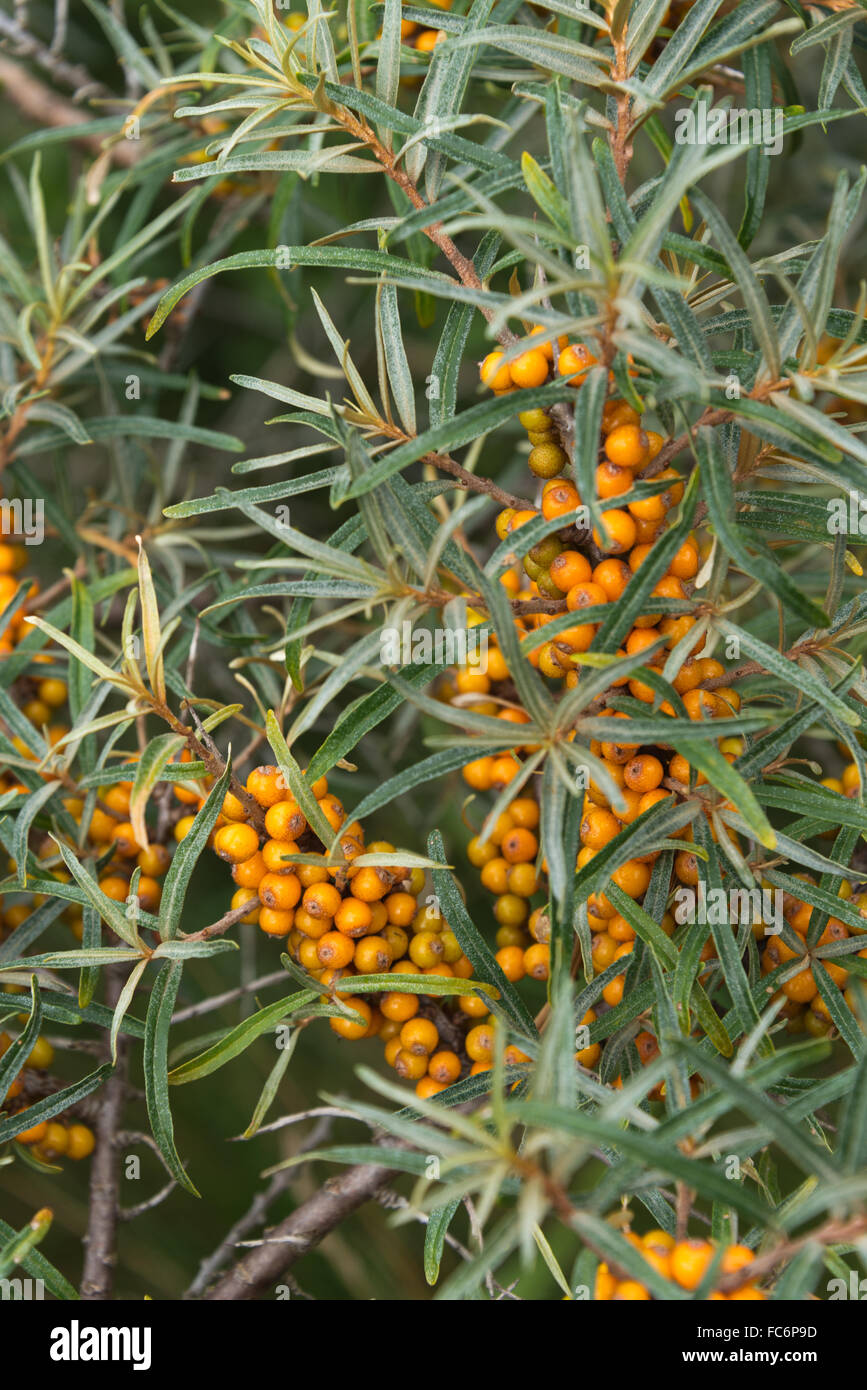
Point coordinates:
[[97, 1280], [255, 1213], [229, 919], [58, 588], [69, 74], [435, 232], [40, 104], [620, 138], [302, 1231], [835, 1233], [471, 482]]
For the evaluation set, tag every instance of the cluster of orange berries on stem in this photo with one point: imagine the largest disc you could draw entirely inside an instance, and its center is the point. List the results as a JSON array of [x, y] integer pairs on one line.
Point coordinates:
[[48, 1140], [345, 920], [685, 1263]]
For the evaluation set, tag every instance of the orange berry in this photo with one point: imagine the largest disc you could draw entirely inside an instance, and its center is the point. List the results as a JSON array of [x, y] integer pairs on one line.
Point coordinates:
[[266, 784], [569, 568], [560, 500], [586, 595], [612, 480], [685, 562], [322, 900], [274, 922], [280, 891], [689, 1262], [574, 362], [444, 1067], [612, 576], [479, 773], [124, 841], [505, 768], [419, 1035], [370, 884], [627, 446], [236, 842], [620, 529], [80, 1141], [479, 1042], [511, 961], [353, 917], [399, 1006], [519, 846], [248, 873], [373, 955], [335, 950], [617, 412], [494, 374], [428, 1086], [411, 1066], [530, 369], [154, 860], [537, 960], [348, 1028], [285, 821]]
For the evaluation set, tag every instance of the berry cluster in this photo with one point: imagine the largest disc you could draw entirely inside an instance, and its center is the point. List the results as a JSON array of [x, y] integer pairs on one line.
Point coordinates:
[[13, 558], [52, 1139], [591, 570], [685, 1262], [347, 919], [804, 1006], [506, 859]]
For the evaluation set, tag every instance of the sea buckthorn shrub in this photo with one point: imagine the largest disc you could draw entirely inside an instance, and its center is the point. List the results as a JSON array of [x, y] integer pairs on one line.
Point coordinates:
[[469, 748]]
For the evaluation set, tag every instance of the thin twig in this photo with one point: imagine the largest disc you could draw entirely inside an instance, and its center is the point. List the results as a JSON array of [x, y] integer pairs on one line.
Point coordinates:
[[69, 74], [301, 1232], [253, 1216], [130, 1213]]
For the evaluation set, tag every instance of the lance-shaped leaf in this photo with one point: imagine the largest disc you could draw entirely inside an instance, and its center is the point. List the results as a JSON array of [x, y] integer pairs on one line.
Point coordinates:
[[55, 1104], [18, 1051], [149, 767], [155, 1065], [759, 565], [297, 783], [150, 621], [86, 658], [472, 943], [110, 911], [186, 857], [234, 1042]]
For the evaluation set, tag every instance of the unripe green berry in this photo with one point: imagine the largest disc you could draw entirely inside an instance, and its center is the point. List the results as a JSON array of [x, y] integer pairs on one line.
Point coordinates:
[[547, 460], [537, 419], [547, 587], [545, 552]]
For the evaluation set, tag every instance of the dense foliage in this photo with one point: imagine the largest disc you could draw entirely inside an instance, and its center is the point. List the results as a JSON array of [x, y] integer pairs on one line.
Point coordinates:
[[558, 303]]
